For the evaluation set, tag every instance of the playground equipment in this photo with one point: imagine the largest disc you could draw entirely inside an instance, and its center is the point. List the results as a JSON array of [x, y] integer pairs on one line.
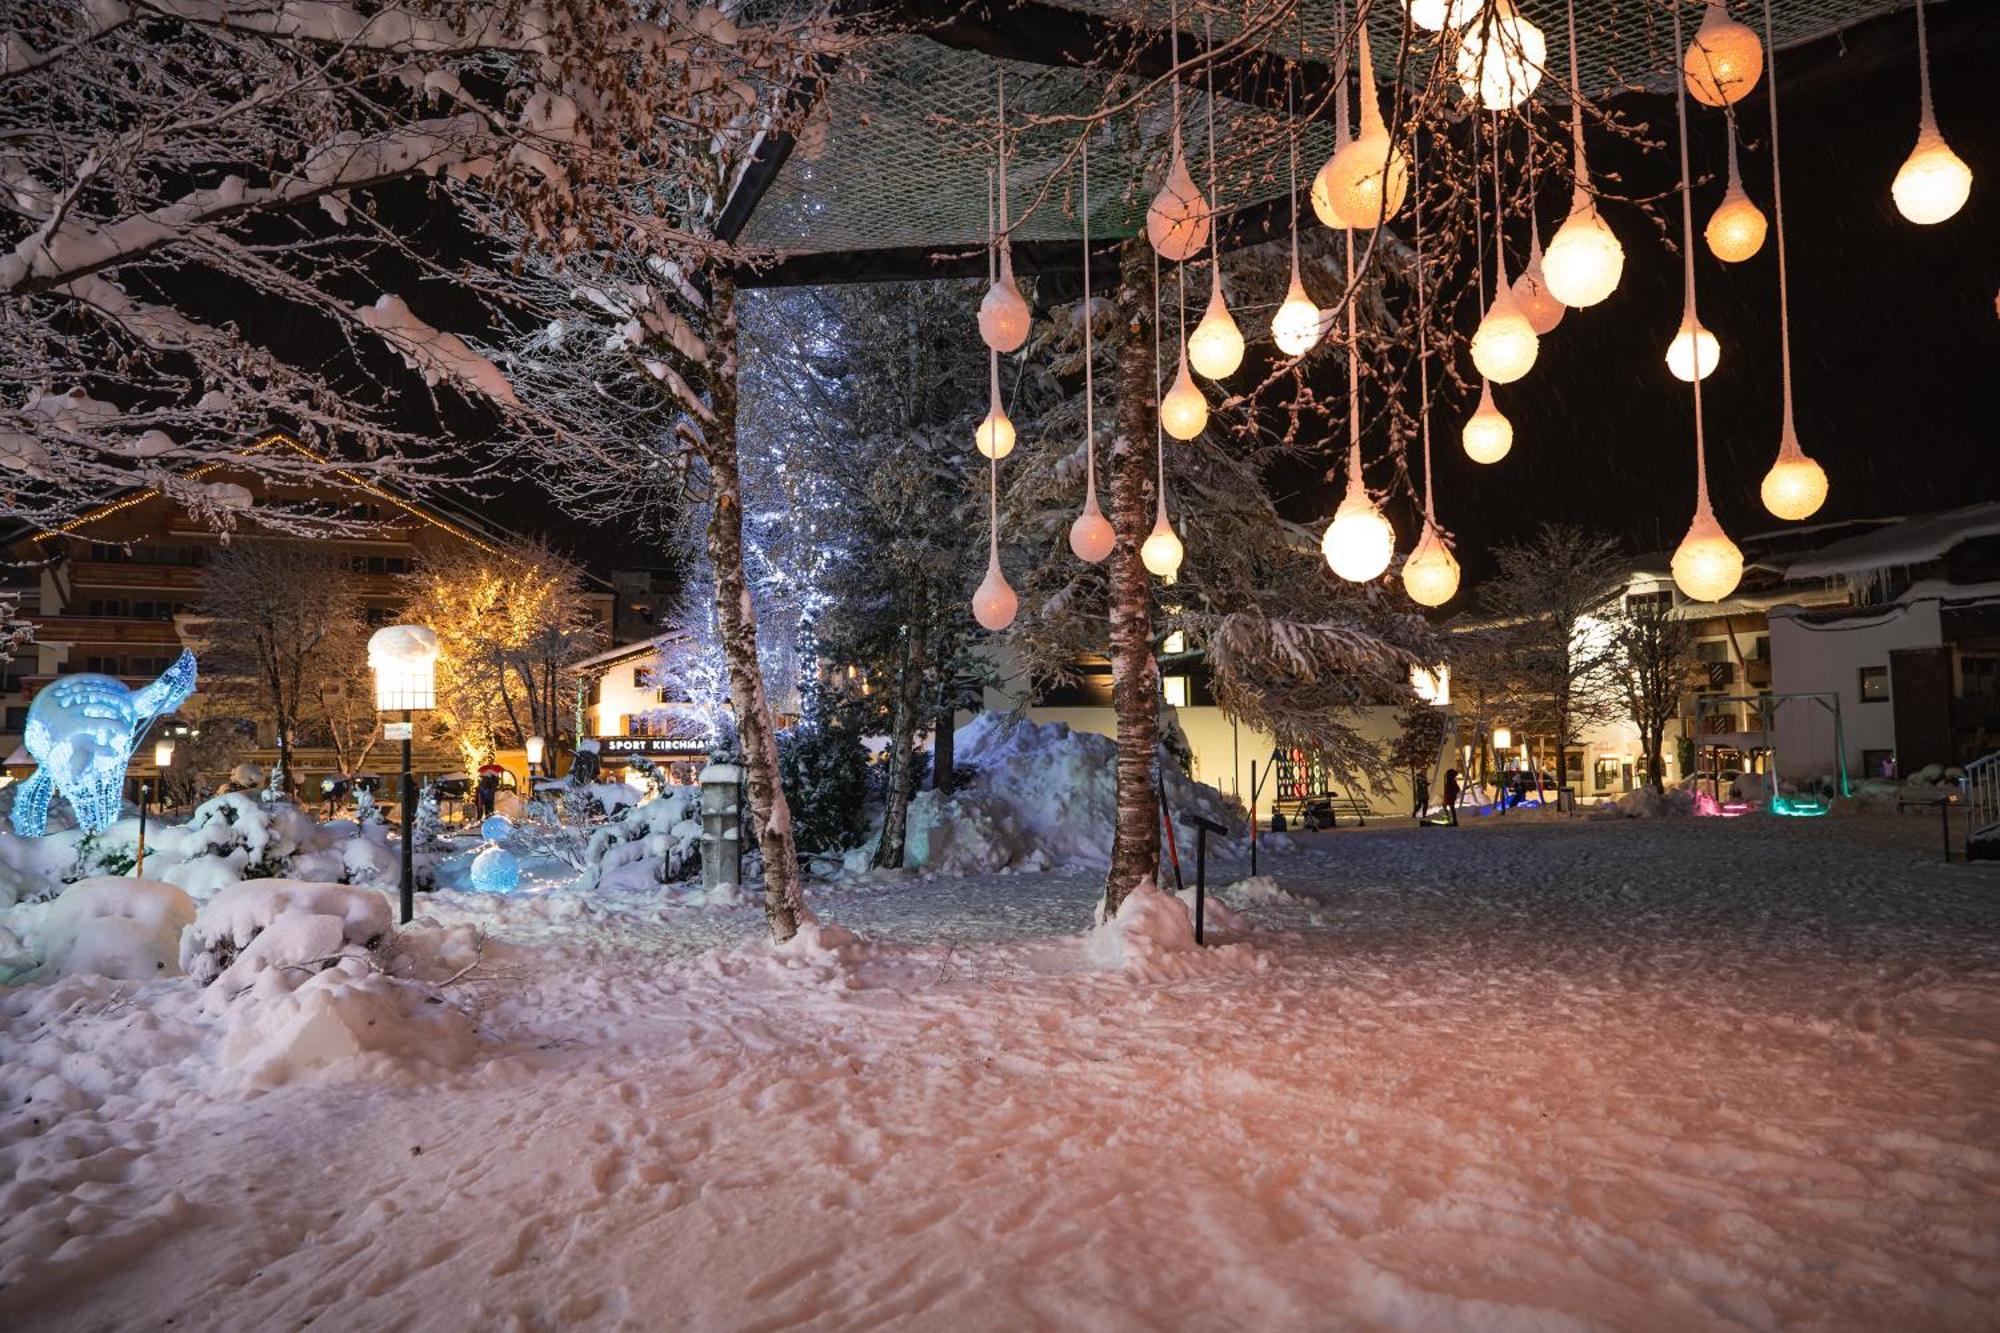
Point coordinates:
[[1766, 709]]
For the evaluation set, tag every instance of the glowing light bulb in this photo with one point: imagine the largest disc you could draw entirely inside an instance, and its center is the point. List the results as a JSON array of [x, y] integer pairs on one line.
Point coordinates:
[[1488, 435], [1500, 58], [1091, 536], [1437, 15], [1584, 259], [1430, 575], [1933, 183], [995, 603], [1359, 543], [1724, 59], [1183, 411], [1693, 351], [1795, 487], [1736, 229], [1363, 184], [1707, 566], [1177, 219], [1161, 553], [1531, 294], [1215, 348], [994, 435], [1296, 325], [1504, 346], [1003, 311]]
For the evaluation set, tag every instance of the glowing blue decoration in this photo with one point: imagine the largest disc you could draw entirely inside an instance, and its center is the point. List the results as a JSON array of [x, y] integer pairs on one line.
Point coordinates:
[[81, 731], [496, 828], [495, 870]]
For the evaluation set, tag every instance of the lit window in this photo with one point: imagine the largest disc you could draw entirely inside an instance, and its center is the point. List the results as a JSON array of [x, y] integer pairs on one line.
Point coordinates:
[[1177, 690], [1875, 685], [1176, 643]]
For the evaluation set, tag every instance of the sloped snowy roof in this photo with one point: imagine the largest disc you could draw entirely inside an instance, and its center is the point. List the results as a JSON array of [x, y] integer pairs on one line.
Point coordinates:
[[1912, 541]]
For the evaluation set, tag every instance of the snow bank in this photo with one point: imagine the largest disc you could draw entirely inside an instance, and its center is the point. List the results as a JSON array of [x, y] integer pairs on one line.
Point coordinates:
[[1152, 939], [1258, 889], [226, 927], [126, 929], [1651, 803], [1043, 797]]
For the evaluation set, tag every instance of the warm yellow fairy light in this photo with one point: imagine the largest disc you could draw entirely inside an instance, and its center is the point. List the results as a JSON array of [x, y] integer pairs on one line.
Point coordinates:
[[994, 603], [1161, 554], [1430, 575], [1177, 219], [1003, 311], [1724, 59], [1359, 543], [1693, 350], [995, 433], [1933, 183], [1296, 325], [1215, 348], [1488, 435], [1707, 565], [1584, 259], [1183, 411], [1504, 346], [1736, 229], [1500, 58], [1532, 295], [1366, 182]]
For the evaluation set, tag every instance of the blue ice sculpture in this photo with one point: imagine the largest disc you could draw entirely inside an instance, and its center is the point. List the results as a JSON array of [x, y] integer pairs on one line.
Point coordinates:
[[81, 731], [495, 870]]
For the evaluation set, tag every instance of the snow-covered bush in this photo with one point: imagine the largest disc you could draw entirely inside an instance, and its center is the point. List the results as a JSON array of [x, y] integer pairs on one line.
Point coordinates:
[[825, 774], [320, 923], [126, 929], [654, 842]]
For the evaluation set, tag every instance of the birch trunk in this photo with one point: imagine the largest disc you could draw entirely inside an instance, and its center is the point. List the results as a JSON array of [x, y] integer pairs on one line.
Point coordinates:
[[910, 671], [736, 621], [1135, 689]]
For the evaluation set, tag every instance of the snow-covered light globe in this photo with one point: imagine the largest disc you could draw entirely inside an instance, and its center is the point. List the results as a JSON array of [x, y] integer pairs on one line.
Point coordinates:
[[1694, 350], [495, 870], [1003, 311], [994, 602], [1091, 536], [1724, 59], [1795, 487], [1296, 325], [1215, 348], [994, 435], [1183, 411], [1707, 566], [404, 660], [1500, 58], [1359, 543], [496, 828], [1161, 554], [1584, 259], [1430, 575], [1488, 435], [1736, 229], [1934, 183], [1504, 346], [1532, 295], [1177, 219]]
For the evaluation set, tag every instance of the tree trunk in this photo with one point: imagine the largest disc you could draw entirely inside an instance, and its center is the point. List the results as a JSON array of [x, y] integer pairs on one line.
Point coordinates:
[[1135, 689], [736, 621], [944, 742], [910, 664]]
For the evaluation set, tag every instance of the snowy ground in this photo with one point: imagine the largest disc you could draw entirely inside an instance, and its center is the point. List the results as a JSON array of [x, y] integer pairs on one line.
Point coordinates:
[[1648, 1074]]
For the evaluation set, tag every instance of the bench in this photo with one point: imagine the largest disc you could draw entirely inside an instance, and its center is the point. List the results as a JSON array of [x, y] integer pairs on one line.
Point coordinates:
[[1324, 812]]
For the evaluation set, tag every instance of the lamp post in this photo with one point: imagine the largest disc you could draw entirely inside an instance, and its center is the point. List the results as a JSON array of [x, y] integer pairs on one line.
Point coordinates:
[[535, 746], [163, 758], [404, 660]]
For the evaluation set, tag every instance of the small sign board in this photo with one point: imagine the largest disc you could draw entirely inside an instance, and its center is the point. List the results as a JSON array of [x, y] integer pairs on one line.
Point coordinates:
[[398, 731]]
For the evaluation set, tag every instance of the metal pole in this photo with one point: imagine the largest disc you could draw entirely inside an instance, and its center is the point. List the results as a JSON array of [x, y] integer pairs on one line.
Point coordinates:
[[1944, 812], [1201, 875], [409, 828], [1253, 817], [139, 869]]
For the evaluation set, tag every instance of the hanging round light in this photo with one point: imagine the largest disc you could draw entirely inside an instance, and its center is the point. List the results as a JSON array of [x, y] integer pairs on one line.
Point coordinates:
[[1177, 219], [1736, 229], [1003, 312], [1437, 15], [1584, 259], [1430, 575], [995, 602], [1694, 351], [1504, 346], [1500, 58], [1532, 295], [1090, 536], [995, 434], [1933, 183], [1359, 543], [1364, 184], [1183, 411], [1216, 347], [1724, 59], [1795, 487], [1707, 565], [1487, 435], [1296, 325], [1161, 554]]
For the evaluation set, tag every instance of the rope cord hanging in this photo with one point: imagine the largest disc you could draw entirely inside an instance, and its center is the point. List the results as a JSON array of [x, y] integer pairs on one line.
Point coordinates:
[[1423, 342], [1778, 222], [1687, 278], [1576, 102]]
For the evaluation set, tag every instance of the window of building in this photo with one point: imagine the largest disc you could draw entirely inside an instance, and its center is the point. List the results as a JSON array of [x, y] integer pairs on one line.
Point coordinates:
[[1176, 688], [1712, 650], [1176, 642], [1875, 685], [1878, 764], [638, 678]]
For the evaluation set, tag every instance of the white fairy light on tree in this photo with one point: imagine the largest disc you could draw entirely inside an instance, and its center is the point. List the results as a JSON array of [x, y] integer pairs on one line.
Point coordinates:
[[1505, 345], [1724, 59], [1091, 536], [1161, 552], [1359, 543], [1430, 575], [1584, 259], [1500, 58], [1736, 228], [1177, 219], [1795, 487], [1933, 183], [1003, 311], [1707, 566], [1215, 349], [1366, 180]]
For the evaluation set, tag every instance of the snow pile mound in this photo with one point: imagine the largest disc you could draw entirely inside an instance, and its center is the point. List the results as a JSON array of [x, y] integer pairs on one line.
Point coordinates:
[[223, 931], [126, 929], [1651, 803], [1258, 889], [1044, 797], [654, 842], [817, 953], [1152, 939]]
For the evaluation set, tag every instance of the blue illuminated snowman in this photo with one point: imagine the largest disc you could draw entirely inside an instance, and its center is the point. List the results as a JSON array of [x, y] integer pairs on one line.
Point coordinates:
[[495, 870], [81, 731]]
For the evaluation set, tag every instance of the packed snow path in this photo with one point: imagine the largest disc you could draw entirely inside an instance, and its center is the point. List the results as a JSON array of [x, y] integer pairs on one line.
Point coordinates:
[[1634, 1075]]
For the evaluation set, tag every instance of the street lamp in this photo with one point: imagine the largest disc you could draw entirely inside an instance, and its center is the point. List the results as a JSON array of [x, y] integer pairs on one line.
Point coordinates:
[[535, 746], [404, 660], [163, 758]]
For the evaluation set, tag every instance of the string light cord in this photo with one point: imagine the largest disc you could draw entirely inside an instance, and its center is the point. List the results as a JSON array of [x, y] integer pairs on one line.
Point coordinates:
[[1701, 505], [1778, 223], [1089, 395], [1576, 100], [1423, 341]]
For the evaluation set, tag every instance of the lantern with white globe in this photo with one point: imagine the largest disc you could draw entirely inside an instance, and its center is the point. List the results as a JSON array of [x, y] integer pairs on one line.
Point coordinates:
[[1724, 59], [1934, 182], [1177, 219], [1707, 565], [1500, 58], [1488, 435], [1364, 184], [1161, 552], [1584, 259], [1003, 311], [1215, 348], [1694, 352], [994, 435], [1183, 411], [995, 603], [1430, 575], [1736, 229], [1359, 543], [1504, 346], [1531, 289], [1296, 325]]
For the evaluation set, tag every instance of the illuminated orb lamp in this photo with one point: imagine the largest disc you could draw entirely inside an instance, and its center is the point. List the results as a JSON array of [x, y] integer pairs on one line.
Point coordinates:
[[1724, 59], [404, 660], [1215, 348], [1707, 566], [1183, 411], [1504, 346], [994, 602], [1161, 554], [1177, 219], [1437, 15], [496, 828], [1091, 536], [1003, 311], [1584, 259], [1795, 487], [534, 746], [1430, 575], [1359, 543], [1736, 229], [495, 870], [1694, 350], [994, 436], [1503, 739], [81, 731], [1296, 325], [1500, 58], [1488, 435], [1532, 296], [1934, 183], [1365, 183]]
